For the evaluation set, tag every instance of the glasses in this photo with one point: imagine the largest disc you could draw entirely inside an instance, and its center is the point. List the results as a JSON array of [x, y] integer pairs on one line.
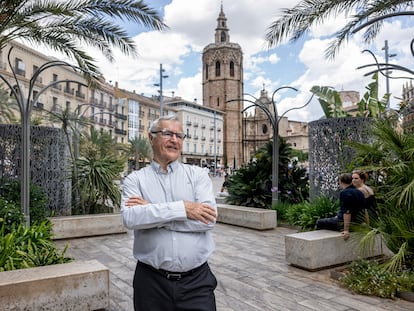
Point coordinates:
[[169, 134]]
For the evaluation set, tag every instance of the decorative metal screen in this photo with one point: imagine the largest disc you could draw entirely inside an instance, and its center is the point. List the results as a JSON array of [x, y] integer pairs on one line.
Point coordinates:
[[49, 165], [328, 153]]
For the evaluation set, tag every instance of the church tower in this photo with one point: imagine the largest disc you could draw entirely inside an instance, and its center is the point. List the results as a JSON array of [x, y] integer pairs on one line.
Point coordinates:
[[223, 88]]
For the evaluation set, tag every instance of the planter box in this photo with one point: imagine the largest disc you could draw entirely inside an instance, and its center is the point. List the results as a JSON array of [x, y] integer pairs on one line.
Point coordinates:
[[67, 227], [74, 286], [249, 217], [321, 249]]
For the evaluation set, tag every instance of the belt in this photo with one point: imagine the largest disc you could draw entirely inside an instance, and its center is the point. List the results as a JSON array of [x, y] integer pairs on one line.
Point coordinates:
[[173, 276]]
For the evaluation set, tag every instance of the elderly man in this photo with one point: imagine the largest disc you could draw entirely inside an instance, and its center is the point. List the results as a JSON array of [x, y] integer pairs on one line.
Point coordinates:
[[172, 210]]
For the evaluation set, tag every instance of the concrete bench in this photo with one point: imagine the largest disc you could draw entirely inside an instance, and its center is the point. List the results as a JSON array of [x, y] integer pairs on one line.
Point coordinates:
[[66, 227], [249, 217], [315, 250], [74, 286]]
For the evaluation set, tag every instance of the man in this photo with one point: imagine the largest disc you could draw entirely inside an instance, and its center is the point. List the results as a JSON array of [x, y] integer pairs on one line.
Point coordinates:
[[172, 210], [351, 202]]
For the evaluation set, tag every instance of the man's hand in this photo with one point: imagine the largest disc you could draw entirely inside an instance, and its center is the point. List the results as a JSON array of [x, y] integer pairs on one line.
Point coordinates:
[[135, 200], [200, 211]]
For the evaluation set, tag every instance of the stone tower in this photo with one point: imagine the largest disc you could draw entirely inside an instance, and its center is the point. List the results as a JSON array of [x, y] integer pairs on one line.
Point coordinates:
[[223, 88]]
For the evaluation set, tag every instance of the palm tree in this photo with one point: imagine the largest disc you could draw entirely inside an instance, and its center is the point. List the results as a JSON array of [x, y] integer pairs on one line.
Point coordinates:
[[140, 149], [295, 22], [390, 158], [71, 27]]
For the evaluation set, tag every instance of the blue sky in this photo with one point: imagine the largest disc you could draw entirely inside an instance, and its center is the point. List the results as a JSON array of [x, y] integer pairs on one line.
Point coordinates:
[[301, 65]]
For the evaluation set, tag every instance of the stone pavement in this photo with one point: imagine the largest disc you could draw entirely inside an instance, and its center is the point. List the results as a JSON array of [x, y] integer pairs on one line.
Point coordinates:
[[251, 271], [250, 268]]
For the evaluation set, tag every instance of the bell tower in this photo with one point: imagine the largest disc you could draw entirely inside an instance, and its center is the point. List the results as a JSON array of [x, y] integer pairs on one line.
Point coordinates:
[[223, 88]]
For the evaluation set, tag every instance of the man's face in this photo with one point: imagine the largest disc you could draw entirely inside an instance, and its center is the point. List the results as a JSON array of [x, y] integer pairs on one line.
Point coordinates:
[[167, 149]]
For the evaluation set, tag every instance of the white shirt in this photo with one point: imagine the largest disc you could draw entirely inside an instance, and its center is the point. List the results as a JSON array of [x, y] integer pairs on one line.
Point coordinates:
[[163, 236]]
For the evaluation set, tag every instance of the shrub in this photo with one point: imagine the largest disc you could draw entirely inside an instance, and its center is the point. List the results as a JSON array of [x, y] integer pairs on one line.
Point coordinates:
[[10, 215], [29, 247], [306, 214], [10, 191], [369, 278]]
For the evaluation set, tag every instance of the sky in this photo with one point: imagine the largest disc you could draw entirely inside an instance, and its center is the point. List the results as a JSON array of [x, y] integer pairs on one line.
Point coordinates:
[[300, 65]]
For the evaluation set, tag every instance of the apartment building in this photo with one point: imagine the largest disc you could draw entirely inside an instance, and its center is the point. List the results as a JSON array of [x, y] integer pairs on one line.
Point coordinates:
[[54, 87], [203, 126]]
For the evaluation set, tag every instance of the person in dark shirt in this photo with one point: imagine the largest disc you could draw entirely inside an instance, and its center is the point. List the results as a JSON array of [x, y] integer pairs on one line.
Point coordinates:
[[351, 202]]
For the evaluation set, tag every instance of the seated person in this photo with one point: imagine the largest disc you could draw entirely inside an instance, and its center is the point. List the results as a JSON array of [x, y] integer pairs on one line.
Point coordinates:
[[351, 202], [359, 180]]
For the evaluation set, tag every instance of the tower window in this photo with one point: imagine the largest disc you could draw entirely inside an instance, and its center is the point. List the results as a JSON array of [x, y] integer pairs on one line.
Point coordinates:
[[217, 69], [223, 36], [232, 69], [206, 71], [218, 102]]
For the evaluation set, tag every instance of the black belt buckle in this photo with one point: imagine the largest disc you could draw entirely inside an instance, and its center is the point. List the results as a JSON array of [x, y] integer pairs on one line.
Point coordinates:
[[174, 276]]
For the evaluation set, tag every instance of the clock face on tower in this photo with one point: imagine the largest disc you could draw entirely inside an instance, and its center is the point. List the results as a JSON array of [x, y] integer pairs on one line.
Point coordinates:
[[264, 128]]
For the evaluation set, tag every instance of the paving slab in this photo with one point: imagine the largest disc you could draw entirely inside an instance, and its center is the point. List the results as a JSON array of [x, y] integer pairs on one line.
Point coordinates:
[[251, 271]]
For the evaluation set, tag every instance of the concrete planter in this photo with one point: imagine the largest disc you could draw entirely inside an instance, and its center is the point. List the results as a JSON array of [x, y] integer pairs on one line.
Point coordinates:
[[67, 227], [74, 286]]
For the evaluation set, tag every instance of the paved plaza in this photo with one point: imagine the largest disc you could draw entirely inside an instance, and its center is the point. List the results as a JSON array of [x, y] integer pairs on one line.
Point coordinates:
[[251, 271]]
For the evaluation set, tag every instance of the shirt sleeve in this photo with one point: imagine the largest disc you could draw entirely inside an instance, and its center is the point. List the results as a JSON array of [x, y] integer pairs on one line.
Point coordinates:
[[149, 215], [204, 193]]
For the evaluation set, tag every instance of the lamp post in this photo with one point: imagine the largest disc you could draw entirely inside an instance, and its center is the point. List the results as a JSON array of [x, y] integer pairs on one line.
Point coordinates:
[[274, 119], [160, 85], [26, 101], [387, 73]]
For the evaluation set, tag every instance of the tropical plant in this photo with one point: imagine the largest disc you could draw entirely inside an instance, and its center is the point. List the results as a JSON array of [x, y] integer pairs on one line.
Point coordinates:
[[297, 21], [10, 192], [99, 166], [369, 105], [251, 185], [306, 213], [27, 247], [391, 160], [140, 149], [71, 27]]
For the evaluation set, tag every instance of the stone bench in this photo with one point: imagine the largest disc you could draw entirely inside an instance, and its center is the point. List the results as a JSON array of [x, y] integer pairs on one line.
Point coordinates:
[[74, 286], [66, 227], [249, 217], [319, 249]]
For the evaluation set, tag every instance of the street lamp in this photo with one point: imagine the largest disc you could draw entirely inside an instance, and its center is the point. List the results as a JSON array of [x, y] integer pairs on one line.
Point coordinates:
[[387, 72], [25, 103], [160, 85], [274, 120]]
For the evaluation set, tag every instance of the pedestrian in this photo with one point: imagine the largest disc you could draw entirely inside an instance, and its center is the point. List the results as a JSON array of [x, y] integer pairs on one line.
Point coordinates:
[[351, 203], [172, 210]]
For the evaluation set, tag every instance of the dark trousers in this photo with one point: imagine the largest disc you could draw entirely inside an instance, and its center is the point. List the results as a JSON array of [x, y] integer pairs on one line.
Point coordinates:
[[153, 291], [331, 223]]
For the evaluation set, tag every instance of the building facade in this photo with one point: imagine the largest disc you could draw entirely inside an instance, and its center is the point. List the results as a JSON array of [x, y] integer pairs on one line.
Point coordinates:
[[203, 126], [222, 83]]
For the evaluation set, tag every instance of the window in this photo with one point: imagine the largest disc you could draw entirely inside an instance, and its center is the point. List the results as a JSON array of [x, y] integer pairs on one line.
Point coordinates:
[[217, 69], [20, 67], [232, 69], [223, 36]]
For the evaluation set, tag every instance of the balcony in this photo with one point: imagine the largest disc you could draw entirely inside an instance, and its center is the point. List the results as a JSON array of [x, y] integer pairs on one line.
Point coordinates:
[[203, 138], [120, 116], [212, 128], [69, 91], [203, 126], [195, 124], [80, 94], [196, 137], [188, 123], [120, 132]]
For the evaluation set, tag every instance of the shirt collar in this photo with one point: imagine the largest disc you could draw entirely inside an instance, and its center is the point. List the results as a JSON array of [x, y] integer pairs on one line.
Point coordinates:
[[170, 167]]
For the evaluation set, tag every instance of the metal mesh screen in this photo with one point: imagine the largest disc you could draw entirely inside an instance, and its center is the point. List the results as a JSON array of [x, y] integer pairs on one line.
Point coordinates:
[[49, 165], [328, 153]]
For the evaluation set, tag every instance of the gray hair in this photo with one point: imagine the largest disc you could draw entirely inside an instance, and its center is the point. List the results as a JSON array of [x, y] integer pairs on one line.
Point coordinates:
[[154, 125]]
